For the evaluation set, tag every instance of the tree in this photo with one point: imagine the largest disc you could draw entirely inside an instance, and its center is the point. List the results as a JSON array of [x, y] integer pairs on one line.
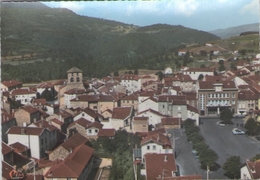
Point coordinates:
[[233, 66], [226, 115], [136, 71], [116, 73], [201, 76], [222, 68], [202, 66], [232, 167], [221, 62], [256, 157], [160, 75], [130, 72], [252, 126]]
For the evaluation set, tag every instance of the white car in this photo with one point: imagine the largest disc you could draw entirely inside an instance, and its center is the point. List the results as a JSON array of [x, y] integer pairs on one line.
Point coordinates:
[[237, 131], [221, 123]]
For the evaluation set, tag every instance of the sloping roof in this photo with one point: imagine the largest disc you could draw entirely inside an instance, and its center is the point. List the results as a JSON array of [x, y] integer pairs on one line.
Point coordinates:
[[74, 70], [210, 84], [26, 130], [73, 165], [130, 97], [171, 121], [5, 117], [6, 169], [157, 163], [255, 167], [157, 138], [18, 147], [39, 101], [95, 124], [121, 112], [169, 98], [45, 85], [106, 133], [5, 149], [74, 141], [152, 111], [45, 124], [247, 95], [21, 92], [75, 91], [11, 83], [30, 109], [81, 121], [192, 108]]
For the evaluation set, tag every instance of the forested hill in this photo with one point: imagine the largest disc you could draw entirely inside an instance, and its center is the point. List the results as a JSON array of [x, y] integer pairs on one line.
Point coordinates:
[[36, 31]]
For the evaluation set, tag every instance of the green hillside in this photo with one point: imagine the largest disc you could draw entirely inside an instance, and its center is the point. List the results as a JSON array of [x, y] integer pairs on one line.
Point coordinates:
[[61, 38]]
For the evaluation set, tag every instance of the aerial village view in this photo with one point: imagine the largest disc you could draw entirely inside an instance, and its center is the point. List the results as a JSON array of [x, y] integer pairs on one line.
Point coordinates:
[[141, 90]]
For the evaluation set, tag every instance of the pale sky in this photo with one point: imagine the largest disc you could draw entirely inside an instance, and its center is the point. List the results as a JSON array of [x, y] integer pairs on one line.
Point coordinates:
[[203, 15]]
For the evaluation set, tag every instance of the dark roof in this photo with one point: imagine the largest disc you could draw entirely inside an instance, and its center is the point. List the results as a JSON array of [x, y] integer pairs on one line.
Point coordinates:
[[74, 70], [26, 130], [210, 84], [21, 92], [5, 149], [30, 109], [255, 167], [192, 108], [45, 124], [6, 169], [121, 112], [18, 147], [5, 117]]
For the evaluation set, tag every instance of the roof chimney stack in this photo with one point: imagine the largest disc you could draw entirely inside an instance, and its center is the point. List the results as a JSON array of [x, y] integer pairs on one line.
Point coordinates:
[[165, 158]]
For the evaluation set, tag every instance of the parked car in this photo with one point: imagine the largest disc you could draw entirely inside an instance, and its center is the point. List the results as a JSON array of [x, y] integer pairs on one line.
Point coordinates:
[[195, 153], [221, 123], [237, 131]]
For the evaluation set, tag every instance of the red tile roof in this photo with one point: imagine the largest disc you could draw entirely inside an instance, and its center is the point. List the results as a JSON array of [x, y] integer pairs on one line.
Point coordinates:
[[92, 113], [141, 118], [6, 169], [5, 149], [5, 117], [95, 124], [30, 109], [81, 121], [11, 83], [22, 92], [106, 133], [247, 95], [158, 138], [210, 84], [45, 124], [192, 108], [153, 111], [73, 165], [57, 121], [74, 141], [45, 85], [169, 98], [171, 121], [76, 91], [190, 95], [39, 101], [18, 147], [26, 130], [255, 167], [158, 164], [130, 97], [121, 112]]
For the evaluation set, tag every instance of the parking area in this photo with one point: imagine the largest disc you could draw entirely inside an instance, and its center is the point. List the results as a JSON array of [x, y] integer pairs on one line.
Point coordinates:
[[221, 140], [226, 144]]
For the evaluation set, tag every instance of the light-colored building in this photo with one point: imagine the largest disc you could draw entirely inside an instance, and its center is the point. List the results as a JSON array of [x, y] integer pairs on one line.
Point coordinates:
[[194, 73], [132, 82], [149, 103], [121, 118], [140, 124], [10, 85], [35, 138], [154, 117], [25, 96]]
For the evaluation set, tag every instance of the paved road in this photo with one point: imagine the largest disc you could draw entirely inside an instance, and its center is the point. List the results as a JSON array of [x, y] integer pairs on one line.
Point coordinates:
[[221, 140]]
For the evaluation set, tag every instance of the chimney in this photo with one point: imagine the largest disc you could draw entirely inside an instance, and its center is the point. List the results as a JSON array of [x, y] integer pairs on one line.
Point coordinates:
[[70, 150], [22, 131], [165, 158]]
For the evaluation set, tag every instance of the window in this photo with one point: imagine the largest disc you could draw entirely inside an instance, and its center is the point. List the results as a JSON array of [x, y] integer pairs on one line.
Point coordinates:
[[42, 141], [72, 79], [78, 80], [148, 147], [96, 131], [163, 106], [154, 147], [233, 95], [90, 131]]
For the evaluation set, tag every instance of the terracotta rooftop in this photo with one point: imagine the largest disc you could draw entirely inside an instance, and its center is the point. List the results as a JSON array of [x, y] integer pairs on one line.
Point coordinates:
[[6, 169], [57, 121], [152, 111], [169, 98], [82, 122], [190, 95], [247, 95], [130, 97], [45, 124], [171, 121], [45, 85], [5, 117], [21, 92], [75, 91], [255, 167], [210, 84], [18, 147], [157, 163], [121, 112], [30, 109], [192, 108], [39, 101], [5, 149], [141, 118], [11, 83], [73, 165], [95, 124], [26, 130], [92, 113], [106, 133], [74, 141]]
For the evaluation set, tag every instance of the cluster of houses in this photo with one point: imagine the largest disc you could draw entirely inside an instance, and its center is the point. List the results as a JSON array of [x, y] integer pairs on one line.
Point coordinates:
[[54, 136]]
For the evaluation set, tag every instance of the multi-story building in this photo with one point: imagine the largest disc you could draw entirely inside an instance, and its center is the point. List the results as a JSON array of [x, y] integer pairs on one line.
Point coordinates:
[[214, 96]]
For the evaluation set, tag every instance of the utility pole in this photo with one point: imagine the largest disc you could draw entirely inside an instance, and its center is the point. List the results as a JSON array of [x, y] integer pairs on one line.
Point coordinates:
[[207, 172]]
